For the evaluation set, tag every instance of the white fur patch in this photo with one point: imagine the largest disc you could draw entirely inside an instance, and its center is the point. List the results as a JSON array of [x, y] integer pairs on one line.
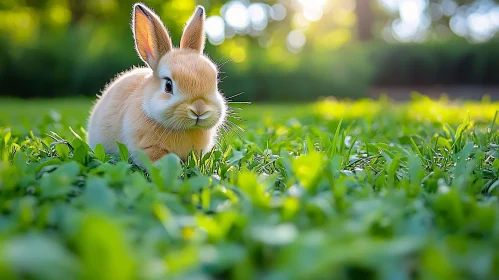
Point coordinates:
[[156, 107]]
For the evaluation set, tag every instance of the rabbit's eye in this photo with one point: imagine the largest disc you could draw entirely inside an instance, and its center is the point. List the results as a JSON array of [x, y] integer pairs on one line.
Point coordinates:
[[168, 85]]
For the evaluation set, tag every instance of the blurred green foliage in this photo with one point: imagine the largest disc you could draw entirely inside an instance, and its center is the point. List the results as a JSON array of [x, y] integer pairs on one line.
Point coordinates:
[[455, 62], [37, 71], [330, 190], [66, 47]]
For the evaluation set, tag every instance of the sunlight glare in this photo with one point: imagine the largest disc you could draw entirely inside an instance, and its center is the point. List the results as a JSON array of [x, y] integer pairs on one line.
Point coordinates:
[[236, 15], [258, 16], [316, 3], [481, 27], [296, 40], [215, 29], [312, 13], [390, 5], [404, 30], [494, 16], [411, 10], [301, 22], [312, 9], [413, 22]]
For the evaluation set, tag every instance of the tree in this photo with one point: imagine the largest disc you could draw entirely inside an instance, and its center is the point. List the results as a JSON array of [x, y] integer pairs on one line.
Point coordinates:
[[365, 20]]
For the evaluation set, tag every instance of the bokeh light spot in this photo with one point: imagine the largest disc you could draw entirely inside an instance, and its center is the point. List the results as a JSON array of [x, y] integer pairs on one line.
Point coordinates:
[[215, 29], [296, 40], [258, 16], [278, 12], [238, 54], [59, 15], [312, 13], [236, 15]]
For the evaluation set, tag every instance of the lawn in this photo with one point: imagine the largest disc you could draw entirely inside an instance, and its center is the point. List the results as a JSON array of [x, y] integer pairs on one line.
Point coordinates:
[[326, 190]]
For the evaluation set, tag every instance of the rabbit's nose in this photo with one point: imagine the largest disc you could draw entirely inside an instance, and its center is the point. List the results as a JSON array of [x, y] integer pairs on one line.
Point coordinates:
[[194, 114], [198, 110]]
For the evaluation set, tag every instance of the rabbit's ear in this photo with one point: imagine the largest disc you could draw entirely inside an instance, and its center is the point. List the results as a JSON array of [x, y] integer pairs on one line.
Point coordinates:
[[193, 36], [151, 37]]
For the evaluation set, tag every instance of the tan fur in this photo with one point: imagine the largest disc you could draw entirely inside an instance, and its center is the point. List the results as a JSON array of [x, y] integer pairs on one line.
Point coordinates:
[[135, 110], [193, 36], [185, 67]]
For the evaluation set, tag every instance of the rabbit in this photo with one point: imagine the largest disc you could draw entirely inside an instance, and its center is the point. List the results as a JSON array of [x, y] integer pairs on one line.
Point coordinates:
[[171, 106]]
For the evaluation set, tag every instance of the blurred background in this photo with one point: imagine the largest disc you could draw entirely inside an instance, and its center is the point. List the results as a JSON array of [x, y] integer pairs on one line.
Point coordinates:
[[282, 50]]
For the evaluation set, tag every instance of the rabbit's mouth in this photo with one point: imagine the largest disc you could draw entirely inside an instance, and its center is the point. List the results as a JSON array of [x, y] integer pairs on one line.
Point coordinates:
[[206, 119], [205, 123]]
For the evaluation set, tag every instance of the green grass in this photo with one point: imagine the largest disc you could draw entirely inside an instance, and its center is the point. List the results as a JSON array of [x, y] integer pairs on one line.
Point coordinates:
[[329, 190]]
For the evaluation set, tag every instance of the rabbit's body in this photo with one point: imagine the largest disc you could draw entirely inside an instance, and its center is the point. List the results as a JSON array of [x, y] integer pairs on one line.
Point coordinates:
[[118, 105], [173, 106]]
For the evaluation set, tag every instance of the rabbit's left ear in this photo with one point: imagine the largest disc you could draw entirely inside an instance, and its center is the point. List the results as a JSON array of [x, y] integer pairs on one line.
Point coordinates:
[[193, 36]]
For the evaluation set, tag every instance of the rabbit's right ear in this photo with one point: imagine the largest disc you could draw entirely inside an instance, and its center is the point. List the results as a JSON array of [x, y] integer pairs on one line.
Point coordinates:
[[151, 37]]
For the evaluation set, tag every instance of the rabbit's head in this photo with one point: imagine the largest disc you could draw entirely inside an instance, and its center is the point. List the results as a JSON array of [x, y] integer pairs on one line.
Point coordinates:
[[181, 92]]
